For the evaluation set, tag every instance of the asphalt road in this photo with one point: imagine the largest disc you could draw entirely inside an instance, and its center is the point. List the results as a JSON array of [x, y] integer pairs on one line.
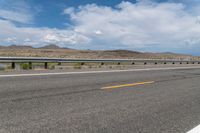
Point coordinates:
[[117, 102]]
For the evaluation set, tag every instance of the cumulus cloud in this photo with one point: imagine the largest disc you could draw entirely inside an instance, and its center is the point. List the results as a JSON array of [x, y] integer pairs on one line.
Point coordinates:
[[145, 25], [65, 38], [98, 32], [10, 34], [10, 40], [136, 26]]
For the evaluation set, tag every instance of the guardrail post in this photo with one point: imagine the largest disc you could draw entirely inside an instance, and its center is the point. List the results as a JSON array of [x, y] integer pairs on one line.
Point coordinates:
[[45, 65], [118, 63], [13, 65], [30, 65], [102, 63]]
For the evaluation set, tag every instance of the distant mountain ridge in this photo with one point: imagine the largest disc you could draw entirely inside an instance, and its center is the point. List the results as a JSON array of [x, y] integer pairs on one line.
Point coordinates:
[[49, 46], [54, 51]]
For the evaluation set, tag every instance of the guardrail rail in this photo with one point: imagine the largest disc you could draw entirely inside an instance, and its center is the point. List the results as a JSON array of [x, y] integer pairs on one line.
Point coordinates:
[[30, 60]]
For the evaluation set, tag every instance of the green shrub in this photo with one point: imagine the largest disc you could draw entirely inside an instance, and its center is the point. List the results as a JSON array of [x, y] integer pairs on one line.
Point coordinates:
[[24, 66], [52, 65]]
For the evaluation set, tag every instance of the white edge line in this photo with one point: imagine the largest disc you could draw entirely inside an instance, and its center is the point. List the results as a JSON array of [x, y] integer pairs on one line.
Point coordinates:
[[90, 72], [195, 130]]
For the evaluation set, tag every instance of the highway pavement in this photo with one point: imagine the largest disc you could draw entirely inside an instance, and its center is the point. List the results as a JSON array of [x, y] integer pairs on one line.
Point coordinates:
[[143, 101]]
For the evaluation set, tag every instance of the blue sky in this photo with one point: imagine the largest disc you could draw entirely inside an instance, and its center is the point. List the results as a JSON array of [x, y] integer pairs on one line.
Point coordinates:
[[144, 25]]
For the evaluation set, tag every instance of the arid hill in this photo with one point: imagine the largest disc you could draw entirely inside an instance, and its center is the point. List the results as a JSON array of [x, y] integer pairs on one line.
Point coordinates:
[[50, 46], [57, 52]]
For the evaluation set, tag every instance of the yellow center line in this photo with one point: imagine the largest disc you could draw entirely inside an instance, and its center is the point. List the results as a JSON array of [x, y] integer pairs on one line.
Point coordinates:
[[127, 85]]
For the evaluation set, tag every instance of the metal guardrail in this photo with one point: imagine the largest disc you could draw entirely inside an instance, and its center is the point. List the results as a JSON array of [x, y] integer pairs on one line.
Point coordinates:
[[31, 60]]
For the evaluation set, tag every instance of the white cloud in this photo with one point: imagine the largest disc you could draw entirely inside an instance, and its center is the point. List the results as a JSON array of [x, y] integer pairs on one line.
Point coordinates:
[[14, 16], [38, 36], [145, 25], [137, 26], [10, 40], [17, 11], [98, 32], [69, 10], [65, 38]]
